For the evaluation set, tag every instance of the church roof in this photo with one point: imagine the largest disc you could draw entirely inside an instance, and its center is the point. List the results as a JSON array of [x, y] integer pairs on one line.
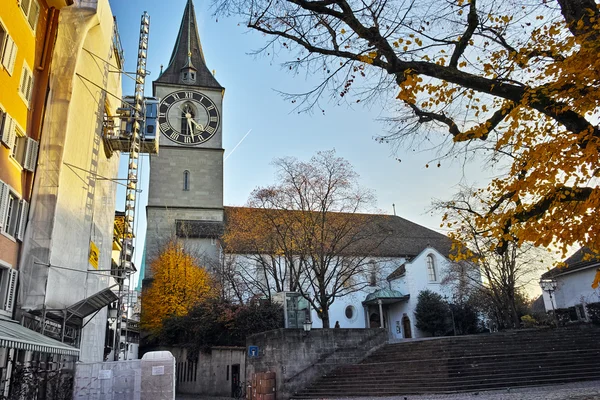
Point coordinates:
[[385, 235], [187, 53]]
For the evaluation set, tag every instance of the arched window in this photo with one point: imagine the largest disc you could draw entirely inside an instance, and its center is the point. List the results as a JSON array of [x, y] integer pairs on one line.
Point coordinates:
[[186, 180], [431, 272], [372, 273], [187, 110]]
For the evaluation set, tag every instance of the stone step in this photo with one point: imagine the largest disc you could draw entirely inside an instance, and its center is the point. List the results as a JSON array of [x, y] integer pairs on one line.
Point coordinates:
[[425, 389], [468, 363]]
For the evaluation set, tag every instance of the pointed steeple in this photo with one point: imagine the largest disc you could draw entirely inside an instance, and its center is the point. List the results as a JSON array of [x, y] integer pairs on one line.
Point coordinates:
[[187, 65]]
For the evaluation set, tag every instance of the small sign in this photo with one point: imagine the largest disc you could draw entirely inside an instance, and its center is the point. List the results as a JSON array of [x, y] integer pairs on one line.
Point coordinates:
[[105, 374], [158, 370], [252, 351], [94, 255]]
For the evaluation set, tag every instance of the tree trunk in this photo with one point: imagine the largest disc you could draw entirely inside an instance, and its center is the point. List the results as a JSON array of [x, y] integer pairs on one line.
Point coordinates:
[[325, 318]]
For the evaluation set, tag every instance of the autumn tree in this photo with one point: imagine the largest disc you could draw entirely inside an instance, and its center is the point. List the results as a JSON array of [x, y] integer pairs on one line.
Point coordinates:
[[517, 81], [252, 234], [179, 283], [481, 270], [310, 221]]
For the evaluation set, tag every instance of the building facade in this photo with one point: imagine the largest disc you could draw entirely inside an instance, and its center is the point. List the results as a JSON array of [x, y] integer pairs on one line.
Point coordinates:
[[65, 261], [27, 32], [576, 286], [397, 260], [186, 202], [185, 197]]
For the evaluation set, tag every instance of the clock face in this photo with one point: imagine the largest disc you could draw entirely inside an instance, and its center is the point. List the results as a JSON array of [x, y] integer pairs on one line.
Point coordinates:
[[188, 117]]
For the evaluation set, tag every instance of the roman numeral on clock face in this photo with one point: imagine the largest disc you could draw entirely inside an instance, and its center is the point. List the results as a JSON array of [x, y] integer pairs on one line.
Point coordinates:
[[174, 135], [213, 119], [176, 96], [210, 129], [188, 95], [165, 127]]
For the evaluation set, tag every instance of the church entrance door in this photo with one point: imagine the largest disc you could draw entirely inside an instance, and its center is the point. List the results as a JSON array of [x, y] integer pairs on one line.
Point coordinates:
[[406, 327]]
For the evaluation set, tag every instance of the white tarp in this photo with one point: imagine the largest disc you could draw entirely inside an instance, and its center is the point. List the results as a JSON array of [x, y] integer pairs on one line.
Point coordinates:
[[152, 378]]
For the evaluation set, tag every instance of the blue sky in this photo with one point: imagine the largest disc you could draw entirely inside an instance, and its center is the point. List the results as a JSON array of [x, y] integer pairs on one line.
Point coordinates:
[[252, 103]]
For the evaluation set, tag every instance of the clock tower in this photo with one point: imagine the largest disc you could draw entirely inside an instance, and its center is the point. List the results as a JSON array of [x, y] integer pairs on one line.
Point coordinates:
[[185, 198]]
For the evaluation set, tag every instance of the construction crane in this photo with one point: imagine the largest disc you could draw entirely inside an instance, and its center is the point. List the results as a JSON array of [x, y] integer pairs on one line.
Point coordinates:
[[138, 120]]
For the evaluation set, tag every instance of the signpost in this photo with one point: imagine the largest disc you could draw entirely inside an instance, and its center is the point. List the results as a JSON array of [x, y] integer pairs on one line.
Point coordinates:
[[253, 351]]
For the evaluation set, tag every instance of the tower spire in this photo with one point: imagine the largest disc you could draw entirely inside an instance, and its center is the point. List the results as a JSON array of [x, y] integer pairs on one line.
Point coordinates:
[[187, 64]]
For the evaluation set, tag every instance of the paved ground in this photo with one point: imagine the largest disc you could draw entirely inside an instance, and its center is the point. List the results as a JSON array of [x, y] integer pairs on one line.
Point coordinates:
[[572, 391]]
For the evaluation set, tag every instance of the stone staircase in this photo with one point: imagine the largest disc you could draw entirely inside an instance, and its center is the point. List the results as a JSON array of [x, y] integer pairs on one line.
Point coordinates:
[[468, 364]]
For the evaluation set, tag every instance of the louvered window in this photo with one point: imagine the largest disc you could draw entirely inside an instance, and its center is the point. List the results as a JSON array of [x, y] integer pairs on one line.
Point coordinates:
[[26, 85], [7, 129], [13, 213], [8, 54], [31, 9], [8, 286]]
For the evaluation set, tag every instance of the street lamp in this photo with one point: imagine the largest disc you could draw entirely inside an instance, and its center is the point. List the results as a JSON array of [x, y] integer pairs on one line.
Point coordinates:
[[550, 285], [307, 322]]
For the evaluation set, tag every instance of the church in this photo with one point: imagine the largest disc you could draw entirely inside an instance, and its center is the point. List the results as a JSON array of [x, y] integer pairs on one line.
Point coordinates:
[[186, 201]]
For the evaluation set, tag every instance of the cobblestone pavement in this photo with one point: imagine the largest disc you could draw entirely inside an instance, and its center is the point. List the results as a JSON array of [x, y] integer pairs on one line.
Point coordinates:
[[572, 391]]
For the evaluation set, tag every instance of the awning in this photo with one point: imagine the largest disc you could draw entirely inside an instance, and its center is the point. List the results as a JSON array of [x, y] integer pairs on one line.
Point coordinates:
[[74, 315], [386, 296], [90, 305], [13, 335]]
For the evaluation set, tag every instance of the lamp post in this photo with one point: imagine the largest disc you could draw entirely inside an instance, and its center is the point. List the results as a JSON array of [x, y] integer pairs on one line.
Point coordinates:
[[550, 285]]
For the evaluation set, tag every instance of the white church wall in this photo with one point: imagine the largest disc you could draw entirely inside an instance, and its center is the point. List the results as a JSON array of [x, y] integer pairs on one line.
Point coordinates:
[[412, 283], [415, 281]]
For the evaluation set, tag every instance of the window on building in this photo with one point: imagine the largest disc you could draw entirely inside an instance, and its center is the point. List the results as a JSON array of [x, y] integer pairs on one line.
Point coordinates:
[[31, 9], [261, 274], [13, 212], [26, 85], [350, 312], [3, 37], [186, 180], [431, 272], [372, 273], [8, 285], [8, 50], [24, 150], [6, 130], [346, 274]]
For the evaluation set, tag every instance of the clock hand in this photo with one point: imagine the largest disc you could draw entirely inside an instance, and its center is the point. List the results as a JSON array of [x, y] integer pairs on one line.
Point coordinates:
[[200, 126], [190, 127]]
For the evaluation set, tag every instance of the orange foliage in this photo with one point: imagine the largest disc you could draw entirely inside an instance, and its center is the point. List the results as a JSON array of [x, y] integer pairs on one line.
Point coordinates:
[[517, 82], [179, 284]]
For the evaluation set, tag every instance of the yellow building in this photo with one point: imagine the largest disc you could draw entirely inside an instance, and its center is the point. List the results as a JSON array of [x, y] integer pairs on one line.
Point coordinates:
[[26, 28], [56, 90]]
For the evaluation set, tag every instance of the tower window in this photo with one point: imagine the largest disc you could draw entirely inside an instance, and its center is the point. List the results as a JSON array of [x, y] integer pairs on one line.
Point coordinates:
[[372, 273], [431, 272], [186, 180]]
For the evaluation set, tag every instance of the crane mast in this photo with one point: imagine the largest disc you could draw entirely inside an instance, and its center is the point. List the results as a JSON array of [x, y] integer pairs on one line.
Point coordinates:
[[138, 116]]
